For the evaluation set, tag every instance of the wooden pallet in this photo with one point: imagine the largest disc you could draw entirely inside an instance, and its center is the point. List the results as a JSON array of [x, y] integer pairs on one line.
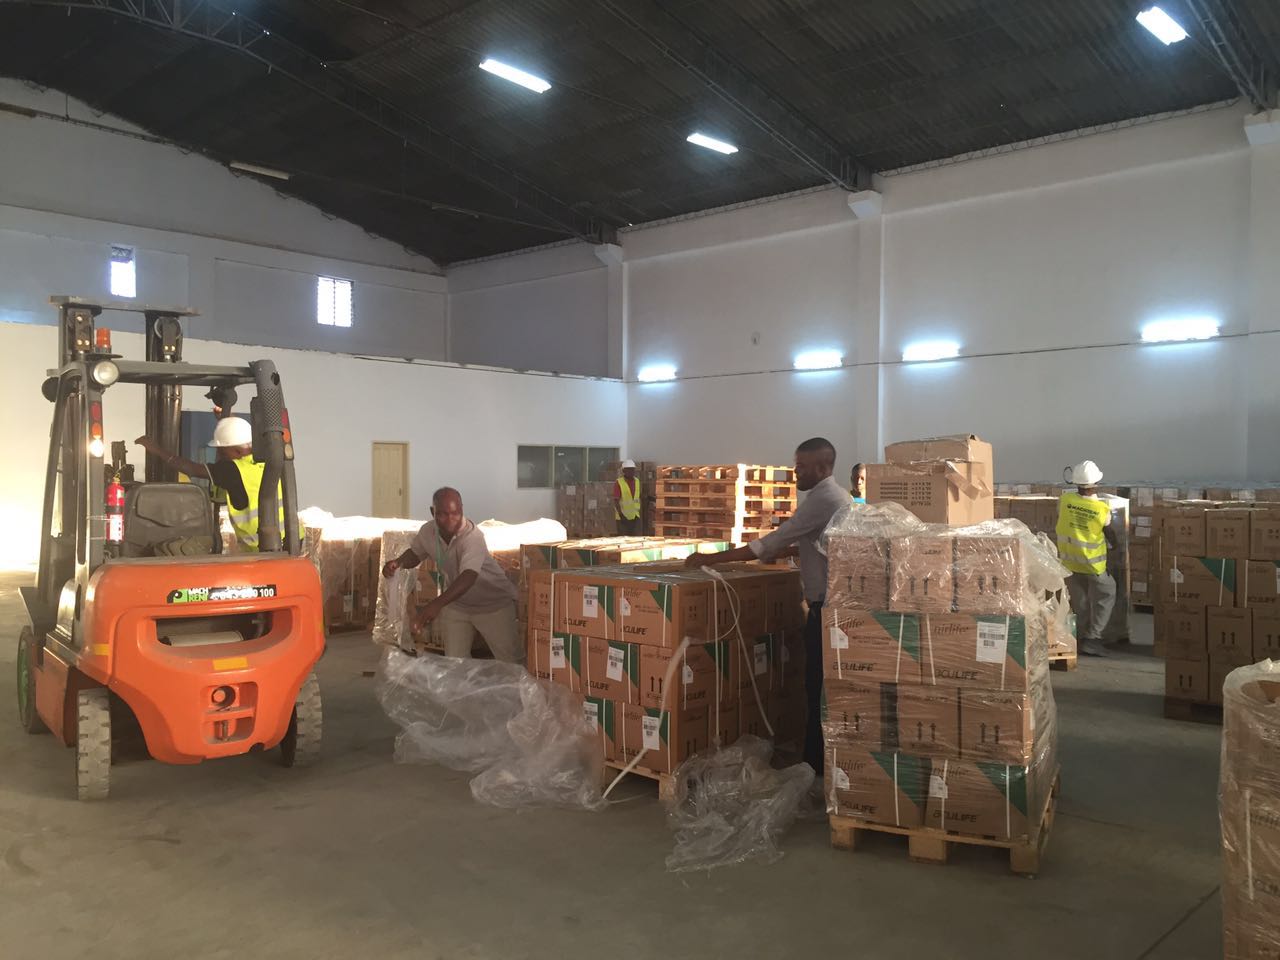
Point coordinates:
[[1063, 661], [729, 505], [666, 782], [684, 531], [1175, 709], [1142, 608], [749, 472], [928, 845]]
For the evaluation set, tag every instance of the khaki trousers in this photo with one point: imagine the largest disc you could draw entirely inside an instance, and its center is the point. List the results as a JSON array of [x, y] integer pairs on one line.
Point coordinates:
[[457, 629]]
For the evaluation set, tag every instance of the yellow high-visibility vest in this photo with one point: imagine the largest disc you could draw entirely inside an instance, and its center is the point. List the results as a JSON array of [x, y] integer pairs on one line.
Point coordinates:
[[245, 522], [628, 505], [1082, 546]]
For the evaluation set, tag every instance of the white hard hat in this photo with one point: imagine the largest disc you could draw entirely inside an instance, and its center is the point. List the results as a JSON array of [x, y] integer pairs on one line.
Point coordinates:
[[628, 463], [1083, 474], [232, 432]]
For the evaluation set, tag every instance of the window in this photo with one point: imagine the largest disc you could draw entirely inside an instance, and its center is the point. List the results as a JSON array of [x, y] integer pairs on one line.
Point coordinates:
[[124, 276], [543, 467], [333, 302]]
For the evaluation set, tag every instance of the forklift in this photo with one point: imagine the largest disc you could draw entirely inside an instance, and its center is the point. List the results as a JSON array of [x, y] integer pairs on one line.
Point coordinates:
[[136, 608]]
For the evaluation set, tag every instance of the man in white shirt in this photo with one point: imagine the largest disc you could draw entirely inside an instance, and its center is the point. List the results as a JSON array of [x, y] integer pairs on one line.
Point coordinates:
[[477, 594], [815, 466]]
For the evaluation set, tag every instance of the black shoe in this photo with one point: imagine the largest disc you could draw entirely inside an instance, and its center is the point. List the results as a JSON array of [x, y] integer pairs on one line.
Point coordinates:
[[1092, 648]]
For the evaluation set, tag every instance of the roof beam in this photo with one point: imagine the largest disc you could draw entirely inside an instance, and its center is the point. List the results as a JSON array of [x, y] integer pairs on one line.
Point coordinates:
[[207, 20], [685, 47], [1223, 26]]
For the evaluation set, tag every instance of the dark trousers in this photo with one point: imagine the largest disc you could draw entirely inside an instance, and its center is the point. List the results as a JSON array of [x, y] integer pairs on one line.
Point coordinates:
[[629, 528], [813, 751]]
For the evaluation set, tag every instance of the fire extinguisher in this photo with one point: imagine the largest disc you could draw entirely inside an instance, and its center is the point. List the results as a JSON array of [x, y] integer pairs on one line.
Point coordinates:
[[115, 510]]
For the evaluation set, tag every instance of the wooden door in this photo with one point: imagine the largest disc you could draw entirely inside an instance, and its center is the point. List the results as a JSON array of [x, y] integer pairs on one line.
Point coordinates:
[[390, 480]]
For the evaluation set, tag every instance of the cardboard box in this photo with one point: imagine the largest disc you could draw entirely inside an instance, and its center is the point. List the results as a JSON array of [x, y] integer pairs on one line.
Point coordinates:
[[784, 601], [723, 724], [1221, 664], [990, 575], [1230, 633], [586, 609], [1187, 680], [662, 738], [603, 716], [1266, 633], [611, 670], [653, 604], [923, 574], [989, 652], [746, 599], [929, 721], [1251, 875], [875, 786], [1181, 631], [1001, 726], [1261, 587], [753, 715], [539, 586], [941, 491], [1227, 533], [700, 678], [1184, 530], [954, 447], [858, 572], [752, 663], [1203, 581], [986, 799], [556, 657], [859, 712], [789, 667], [1142, 528], [883, 647], [1264, 535]]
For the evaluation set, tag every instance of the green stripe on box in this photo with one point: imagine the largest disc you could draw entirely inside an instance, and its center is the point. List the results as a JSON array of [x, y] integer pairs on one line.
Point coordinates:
[[664, 728], [662, 596], [905, 625], [606, 596], [1010, 781], [1223, 570]]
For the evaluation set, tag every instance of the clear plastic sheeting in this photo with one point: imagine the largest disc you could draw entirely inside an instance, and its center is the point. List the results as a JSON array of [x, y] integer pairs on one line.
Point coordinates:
[[526, 740], [1249, 807], [731, 806]]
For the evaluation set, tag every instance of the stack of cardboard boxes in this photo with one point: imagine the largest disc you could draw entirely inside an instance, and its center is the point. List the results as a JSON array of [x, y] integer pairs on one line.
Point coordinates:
[[1217, 604], [938, 709], [586, 509], [1249, 798], [737, 502], [940, 480], [654, 652]]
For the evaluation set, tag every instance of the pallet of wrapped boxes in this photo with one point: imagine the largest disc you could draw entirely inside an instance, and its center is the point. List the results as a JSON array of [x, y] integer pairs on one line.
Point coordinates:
[[1249, 807], [940, 479], [1217, 605], [738, 502], [939, 720], [611, 634], [347, 553]]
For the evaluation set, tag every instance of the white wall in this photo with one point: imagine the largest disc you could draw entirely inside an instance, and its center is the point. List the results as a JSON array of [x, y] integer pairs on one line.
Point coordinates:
[[462, 426]]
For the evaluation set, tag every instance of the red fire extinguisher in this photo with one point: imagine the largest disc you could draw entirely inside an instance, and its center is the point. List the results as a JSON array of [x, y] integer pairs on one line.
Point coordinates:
[[115, 510]]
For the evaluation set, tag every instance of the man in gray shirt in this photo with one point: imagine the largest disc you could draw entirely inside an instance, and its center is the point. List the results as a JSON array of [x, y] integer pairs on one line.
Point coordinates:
[[477, 594], [815, 465]]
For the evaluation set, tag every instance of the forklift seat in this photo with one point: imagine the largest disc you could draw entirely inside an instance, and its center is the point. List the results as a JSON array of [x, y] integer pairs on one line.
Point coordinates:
[[167, 520]]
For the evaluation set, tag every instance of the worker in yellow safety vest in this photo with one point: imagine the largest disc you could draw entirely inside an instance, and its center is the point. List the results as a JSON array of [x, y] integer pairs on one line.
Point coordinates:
[[626, 501], [1084, 530], [235, 477]]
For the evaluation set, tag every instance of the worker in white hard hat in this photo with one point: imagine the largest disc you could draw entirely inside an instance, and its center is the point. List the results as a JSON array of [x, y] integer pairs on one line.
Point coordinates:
[[1084, 531], [235, 476], [627, 502]]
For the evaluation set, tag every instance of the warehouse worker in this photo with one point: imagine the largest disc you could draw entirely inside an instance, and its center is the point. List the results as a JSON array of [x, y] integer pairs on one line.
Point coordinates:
[[858, 482], [477, 594], [626, 501], [1084, 529], [815, 464], [235, 476]]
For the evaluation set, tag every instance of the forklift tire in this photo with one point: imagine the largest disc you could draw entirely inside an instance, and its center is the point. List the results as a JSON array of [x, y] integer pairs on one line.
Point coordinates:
[[28, 716], [93, 743], [301, 745]]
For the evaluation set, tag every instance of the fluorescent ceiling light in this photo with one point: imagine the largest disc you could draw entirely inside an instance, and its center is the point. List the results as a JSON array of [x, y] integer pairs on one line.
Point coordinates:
[[1166, 29], [655, 372], [1180, 328], [260, 171], [515, 75], [818, 359], [711, 143], [926, 350]]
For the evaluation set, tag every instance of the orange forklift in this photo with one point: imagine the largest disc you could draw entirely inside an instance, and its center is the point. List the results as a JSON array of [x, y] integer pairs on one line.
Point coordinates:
[[136, 608]]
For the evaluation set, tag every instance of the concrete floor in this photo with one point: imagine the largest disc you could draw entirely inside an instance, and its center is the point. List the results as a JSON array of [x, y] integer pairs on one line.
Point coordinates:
[[361, 858]]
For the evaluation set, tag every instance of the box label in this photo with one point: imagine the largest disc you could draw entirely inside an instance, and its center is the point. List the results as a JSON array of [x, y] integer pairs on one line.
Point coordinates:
[[993, 642], [1175, 576], [591, 715], [841, 779], [591, 602], [650, 727], [624, 605], [937, 787], [687, 675], [1139, 586], [1277, 579], [839, 639], [557, 653], [614, 670], [762, 659]]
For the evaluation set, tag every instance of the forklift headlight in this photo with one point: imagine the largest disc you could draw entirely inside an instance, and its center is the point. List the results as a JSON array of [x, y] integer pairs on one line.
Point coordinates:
[[96, 448], [105, 373]]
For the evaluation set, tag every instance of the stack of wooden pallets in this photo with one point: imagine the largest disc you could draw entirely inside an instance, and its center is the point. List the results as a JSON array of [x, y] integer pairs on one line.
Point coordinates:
[[737, 501]]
